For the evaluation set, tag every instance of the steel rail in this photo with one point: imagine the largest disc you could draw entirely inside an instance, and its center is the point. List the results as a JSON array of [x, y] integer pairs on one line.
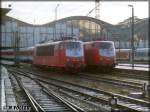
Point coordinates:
[[99, 91], [111, 81], [131, 75], [35, 106], [96, 90], [105, 101], [72, 107], [66, 88], [80, 110], [102, 108], [53, 94], [108, 93]]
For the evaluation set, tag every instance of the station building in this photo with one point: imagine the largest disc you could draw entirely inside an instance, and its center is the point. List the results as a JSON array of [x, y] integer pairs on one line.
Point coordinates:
[[80, 27]]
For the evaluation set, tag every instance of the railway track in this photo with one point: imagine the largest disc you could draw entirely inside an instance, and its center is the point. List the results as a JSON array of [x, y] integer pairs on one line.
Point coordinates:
[[91, 106], [123, 102], [118, 82], [43, 99], [129, 84], [131, 75], [21, 98]]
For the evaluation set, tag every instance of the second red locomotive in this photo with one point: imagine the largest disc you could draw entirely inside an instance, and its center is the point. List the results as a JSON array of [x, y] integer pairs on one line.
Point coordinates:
[[100, 54]]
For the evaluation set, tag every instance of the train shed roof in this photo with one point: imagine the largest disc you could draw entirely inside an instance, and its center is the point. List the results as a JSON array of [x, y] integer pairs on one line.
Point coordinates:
[[4, 11]]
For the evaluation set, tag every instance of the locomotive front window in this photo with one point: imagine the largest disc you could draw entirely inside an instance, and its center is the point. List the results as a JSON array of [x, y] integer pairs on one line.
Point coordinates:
[[106, 49], [74, 49]]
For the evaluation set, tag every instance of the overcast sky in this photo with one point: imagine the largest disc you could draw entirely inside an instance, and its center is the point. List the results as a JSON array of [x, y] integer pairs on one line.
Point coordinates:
[[44, 12]]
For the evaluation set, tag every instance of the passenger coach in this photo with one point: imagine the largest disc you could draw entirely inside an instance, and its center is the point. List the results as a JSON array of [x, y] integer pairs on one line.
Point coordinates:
[[141, 55], [24, 54]]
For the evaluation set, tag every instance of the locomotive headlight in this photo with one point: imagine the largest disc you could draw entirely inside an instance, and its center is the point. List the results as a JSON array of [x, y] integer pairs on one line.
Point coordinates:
[[68, 59]]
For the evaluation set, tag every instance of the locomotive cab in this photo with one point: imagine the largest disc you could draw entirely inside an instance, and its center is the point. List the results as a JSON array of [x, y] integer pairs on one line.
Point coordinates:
[[107, 53], [74, 54], [100, 54]]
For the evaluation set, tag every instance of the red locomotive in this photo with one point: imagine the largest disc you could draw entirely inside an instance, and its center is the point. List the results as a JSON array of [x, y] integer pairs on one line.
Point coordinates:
[[67, 54], [100, 54]]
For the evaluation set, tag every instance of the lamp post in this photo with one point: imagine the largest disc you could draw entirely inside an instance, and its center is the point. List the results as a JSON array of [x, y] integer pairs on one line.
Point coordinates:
[[16, 42], [34, 32], [132, 39], [56, 17], [56, 11]]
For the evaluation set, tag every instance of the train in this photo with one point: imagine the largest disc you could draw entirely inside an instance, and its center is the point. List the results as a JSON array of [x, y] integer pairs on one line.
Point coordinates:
[[67, 54], [141, 55], [100, 54]]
